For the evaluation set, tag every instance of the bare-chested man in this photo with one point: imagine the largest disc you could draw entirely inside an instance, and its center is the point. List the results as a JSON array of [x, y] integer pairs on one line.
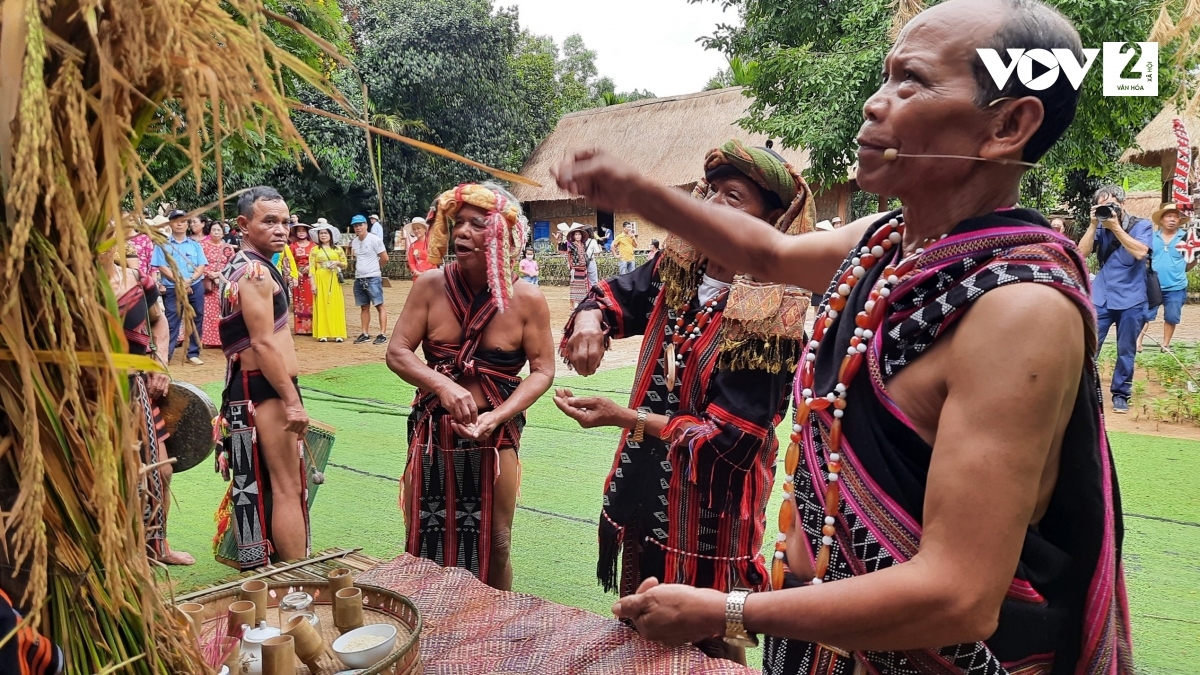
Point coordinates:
[[952, 502], [266, 502], [478, 328]]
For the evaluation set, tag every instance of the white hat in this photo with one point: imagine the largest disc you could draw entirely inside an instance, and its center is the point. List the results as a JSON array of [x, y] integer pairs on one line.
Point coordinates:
[[375, 216], [824, 226], [417, 220], [333, 231], [322, 221], [159, 220]]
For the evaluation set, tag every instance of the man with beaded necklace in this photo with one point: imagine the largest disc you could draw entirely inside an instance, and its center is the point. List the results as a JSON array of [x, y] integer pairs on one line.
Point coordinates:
[[956, 507], [687, 495]]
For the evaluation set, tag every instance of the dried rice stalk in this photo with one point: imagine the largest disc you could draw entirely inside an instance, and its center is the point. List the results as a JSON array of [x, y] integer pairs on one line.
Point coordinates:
[[80, 83], [904, 11]]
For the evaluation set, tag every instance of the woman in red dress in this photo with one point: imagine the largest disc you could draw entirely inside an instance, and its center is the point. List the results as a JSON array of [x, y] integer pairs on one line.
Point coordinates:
[[302, 294], [218, 254]]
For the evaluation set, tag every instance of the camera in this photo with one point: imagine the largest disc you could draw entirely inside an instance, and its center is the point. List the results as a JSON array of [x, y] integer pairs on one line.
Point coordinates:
[[1105, 211]]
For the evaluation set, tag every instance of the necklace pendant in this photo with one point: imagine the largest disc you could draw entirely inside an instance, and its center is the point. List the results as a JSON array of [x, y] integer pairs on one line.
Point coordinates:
[[669, 364]]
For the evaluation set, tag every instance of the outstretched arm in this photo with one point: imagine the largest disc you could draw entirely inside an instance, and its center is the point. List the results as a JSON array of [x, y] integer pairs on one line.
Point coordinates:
[[736, 239], [401, 357]]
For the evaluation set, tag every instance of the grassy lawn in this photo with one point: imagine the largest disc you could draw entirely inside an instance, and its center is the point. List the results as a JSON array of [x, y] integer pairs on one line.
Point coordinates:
[[554, 548]]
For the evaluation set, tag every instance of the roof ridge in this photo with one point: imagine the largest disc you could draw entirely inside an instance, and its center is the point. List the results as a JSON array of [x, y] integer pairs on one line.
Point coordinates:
[[651, 101]]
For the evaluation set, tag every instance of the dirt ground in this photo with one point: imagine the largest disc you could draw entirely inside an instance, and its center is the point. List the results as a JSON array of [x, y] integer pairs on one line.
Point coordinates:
[[316, 356]]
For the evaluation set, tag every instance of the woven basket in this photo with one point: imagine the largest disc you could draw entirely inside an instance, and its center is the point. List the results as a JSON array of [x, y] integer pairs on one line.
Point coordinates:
[[379, 606]]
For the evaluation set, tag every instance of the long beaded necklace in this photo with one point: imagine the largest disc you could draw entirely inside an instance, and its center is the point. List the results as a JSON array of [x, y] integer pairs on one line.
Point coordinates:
[[681, 338], [868, 321]]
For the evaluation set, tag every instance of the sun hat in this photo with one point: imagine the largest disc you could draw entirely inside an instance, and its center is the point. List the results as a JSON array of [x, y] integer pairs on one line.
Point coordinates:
[[580, 227], [322, 221], [418, 221], [358, 219], [824, 226], [1163, 210], [374, 216]]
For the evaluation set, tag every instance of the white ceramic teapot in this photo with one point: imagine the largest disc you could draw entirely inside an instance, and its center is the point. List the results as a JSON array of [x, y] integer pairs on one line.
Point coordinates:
[[252, 647]]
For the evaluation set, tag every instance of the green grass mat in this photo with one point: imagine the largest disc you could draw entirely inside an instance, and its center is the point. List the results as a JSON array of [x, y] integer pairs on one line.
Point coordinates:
[[554, 534]]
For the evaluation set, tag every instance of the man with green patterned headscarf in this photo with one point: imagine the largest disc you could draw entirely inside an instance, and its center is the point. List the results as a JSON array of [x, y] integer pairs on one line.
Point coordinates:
[[686, 498]]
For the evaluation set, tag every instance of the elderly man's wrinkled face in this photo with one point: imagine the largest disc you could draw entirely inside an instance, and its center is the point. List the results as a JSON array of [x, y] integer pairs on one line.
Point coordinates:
[[926, 102], [1170, 221], [470, 231], [741, 193]]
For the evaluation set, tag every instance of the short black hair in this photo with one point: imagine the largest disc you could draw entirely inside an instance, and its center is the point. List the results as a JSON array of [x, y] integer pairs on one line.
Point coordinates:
[[654, 243], [209, 226], [1032, 24], [1114, 191], [254, 195]]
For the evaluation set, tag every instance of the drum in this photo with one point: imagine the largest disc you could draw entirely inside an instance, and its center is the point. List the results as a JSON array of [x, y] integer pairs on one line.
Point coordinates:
[[318, 443], [188, 414]]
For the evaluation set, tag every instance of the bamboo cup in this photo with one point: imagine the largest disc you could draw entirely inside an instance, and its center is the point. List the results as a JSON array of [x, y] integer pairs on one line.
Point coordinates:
[[309, 645], [183, 622], [279, 656], [195, 614], [234, 661], [240, 612], [340, 578], [255, 591], [348, 609]]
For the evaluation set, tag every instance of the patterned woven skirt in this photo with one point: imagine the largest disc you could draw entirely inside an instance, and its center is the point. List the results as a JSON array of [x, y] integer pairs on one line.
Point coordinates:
[[579, 284]]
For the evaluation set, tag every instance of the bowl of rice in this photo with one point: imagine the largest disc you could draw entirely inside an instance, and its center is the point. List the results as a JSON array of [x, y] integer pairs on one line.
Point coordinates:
[[366, 646]]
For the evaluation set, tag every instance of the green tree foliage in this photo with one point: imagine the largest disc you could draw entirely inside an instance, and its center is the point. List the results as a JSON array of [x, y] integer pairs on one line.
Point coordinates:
[[739, 74], [818, 62], [456, 73]]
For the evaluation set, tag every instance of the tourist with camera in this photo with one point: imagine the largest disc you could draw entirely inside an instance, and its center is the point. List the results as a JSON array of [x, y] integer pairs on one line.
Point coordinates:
[[1121, 243]]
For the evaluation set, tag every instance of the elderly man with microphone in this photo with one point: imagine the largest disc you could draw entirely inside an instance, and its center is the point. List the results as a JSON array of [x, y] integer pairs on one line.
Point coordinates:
[[950, 503]]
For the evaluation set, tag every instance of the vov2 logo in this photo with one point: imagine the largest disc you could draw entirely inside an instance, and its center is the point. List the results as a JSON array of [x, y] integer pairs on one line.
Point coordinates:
[[1130, 68]]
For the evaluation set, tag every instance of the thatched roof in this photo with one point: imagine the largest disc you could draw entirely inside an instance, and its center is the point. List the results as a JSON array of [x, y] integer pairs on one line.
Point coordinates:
[[666, 138], [1159, 137], [1142, 204]]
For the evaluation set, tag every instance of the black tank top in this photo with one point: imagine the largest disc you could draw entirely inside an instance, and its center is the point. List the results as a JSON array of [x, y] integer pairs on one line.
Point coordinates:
[[235, 336]]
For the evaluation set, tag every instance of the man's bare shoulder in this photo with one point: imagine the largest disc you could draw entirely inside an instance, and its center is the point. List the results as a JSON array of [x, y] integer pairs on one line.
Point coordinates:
[[1022, 322], [529, 300], [429, 283], [257, 278]]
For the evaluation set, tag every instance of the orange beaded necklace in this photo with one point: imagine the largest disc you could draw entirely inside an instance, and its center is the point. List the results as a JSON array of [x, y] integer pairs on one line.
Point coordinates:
[[868, 321]]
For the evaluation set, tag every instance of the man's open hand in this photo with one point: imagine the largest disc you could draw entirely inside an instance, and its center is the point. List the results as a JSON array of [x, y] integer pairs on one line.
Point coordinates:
[[590, 411]]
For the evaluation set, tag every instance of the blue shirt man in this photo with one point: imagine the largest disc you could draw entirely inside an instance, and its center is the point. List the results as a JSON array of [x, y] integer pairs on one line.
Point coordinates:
[[1121, 283], [1171, 267], [187, 254], [1121, 243], [1169, 262], [189, 259]]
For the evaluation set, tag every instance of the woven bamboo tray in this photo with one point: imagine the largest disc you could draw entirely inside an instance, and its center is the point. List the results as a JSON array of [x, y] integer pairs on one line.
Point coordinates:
[[379, 606]]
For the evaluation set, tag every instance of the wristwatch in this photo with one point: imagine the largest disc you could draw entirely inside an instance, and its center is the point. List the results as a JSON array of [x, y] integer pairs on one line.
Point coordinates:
[[735, 630], [639, 431]]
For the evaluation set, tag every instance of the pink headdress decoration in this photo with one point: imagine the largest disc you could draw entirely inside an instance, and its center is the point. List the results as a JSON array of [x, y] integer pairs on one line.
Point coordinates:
[[505, 235]]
